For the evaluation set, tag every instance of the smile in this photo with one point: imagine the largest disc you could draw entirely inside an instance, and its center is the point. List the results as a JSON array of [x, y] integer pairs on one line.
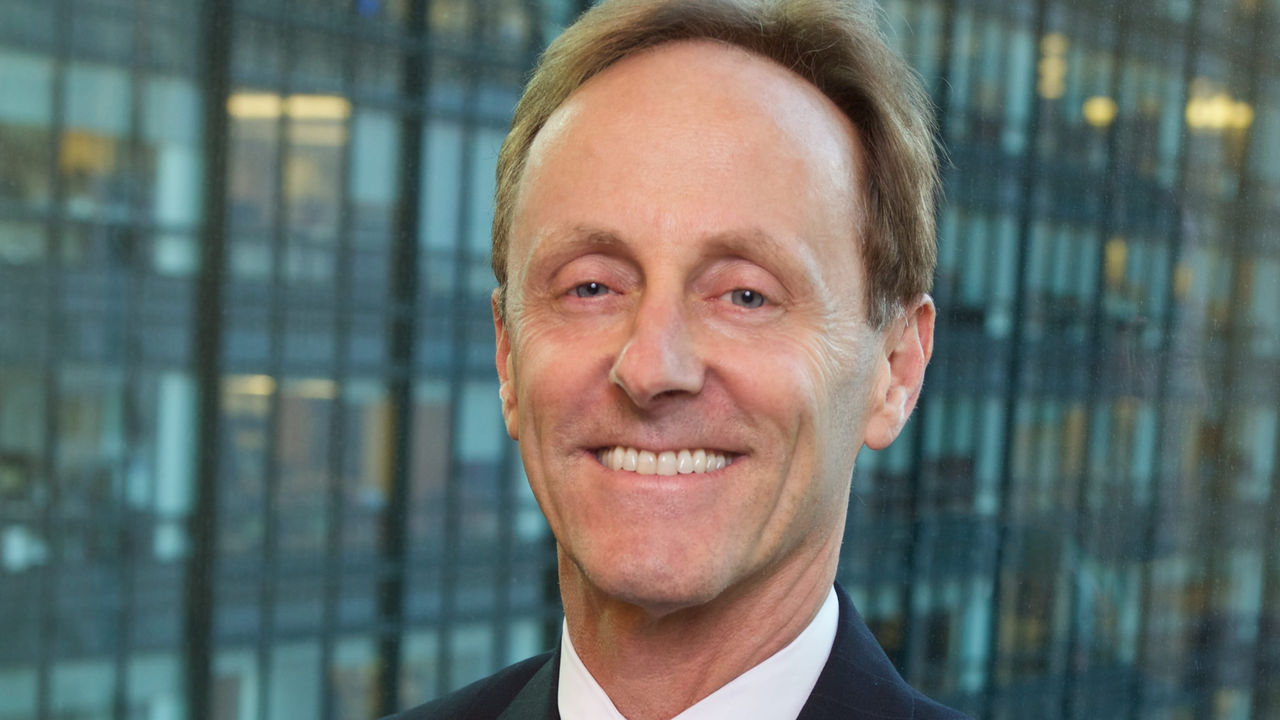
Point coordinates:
[[667, 462]]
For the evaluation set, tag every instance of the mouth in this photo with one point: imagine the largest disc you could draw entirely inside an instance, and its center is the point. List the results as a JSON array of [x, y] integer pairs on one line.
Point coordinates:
[[664, 462]]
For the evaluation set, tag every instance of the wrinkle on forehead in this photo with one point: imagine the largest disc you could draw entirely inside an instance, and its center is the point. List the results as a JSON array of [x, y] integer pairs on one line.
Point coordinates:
[[730, 83]]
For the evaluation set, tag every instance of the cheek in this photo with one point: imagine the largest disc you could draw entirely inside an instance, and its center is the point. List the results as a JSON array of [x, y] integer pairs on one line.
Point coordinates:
[[532, 370], [539, 359], [845, 368], [782, 381], [843, 345], [562, 379]]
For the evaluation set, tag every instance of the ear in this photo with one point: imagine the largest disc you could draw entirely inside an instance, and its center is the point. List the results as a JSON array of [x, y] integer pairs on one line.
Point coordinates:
[[506, 368], [908, 346]]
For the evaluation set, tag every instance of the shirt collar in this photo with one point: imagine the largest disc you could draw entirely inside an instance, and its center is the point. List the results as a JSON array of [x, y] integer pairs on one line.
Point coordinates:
[[778, 687]]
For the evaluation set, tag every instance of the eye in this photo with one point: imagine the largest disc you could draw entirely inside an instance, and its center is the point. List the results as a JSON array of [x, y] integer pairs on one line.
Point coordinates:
[[589, 290], [746, 298]]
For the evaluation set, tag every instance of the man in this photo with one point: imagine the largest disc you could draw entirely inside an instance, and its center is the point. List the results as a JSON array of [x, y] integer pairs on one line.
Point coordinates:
[[713, 242]]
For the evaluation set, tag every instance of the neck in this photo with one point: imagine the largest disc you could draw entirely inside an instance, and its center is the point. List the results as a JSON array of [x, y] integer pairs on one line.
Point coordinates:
[[655, 663]]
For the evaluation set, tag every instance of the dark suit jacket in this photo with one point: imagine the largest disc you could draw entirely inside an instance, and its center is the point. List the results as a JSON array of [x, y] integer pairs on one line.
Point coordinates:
[[857, 683]]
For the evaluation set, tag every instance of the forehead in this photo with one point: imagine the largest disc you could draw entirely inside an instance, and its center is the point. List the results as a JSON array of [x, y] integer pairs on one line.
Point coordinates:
[[693, 131], [725, 79]]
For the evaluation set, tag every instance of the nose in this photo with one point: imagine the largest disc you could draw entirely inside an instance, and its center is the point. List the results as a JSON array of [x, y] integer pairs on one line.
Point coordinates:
[[659, 359]]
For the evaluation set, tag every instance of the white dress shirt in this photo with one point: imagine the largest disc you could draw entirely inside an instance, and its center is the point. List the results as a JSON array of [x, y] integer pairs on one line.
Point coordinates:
[[776, 689]]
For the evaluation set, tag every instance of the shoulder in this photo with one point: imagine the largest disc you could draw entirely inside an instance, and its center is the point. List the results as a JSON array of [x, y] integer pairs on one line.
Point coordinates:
[[484, 699], [929, 709], [859, 681]]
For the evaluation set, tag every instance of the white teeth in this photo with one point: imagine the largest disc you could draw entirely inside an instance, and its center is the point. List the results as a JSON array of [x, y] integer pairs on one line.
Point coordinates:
[[647, 464], [667, 462], [684, 462]]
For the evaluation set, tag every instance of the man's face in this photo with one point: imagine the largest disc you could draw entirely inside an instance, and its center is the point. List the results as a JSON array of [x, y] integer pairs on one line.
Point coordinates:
[[686, 289]]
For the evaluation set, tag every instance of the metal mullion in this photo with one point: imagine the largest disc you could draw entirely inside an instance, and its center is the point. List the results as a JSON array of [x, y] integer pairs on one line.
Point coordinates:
[[1269, 634], [1266, 651], [1029, 171], [501, 613], [452, 500], [207, 345], [275, 369], [1238, 333], [49, 520], [535, 40], [1151, 523], [131, 333], [457, 377], [404, 295], [332, 583], [1093, 346]]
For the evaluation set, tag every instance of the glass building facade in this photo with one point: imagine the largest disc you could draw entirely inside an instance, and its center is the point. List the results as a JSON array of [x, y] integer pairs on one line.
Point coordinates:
[[252, 464]]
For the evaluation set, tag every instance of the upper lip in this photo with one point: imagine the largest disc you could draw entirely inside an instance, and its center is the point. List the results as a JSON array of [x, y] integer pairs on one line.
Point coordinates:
[[673, 444], [666, 448], [674, 439]]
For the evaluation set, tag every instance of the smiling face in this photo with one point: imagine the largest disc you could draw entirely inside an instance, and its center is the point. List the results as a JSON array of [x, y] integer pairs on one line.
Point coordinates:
[[686, 361]]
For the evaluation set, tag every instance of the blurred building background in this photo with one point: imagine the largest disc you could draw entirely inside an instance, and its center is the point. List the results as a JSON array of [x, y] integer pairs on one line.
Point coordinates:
[[252, 465]]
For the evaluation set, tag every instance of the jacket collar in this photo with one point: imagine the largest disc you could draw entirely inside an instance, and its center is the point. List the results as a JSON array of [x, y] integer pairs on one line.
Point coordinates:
[[858, 680], [537, 700]]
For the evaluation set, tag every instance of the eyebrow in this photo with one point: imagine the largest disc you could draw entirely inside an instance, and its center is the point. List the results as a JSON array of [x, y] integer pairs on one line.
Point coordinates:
[[753, 242], [747, 241], [578, 238]]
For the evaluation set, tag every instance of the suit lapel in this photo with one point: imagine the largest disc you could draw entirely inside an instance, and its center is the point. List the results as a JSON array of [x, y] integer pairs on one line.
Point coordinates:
[[538, 699], [858, 680]]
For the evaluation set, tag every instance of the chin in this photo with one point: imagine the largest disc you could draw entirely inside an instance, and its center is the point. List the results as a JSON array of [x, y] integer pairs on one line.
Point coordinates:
[[658, 585]]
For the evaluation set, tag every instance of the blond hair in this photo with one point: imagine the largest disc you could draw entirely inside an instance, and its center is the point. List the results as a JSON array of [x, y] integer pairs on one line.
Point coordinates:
[[834, 44]]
